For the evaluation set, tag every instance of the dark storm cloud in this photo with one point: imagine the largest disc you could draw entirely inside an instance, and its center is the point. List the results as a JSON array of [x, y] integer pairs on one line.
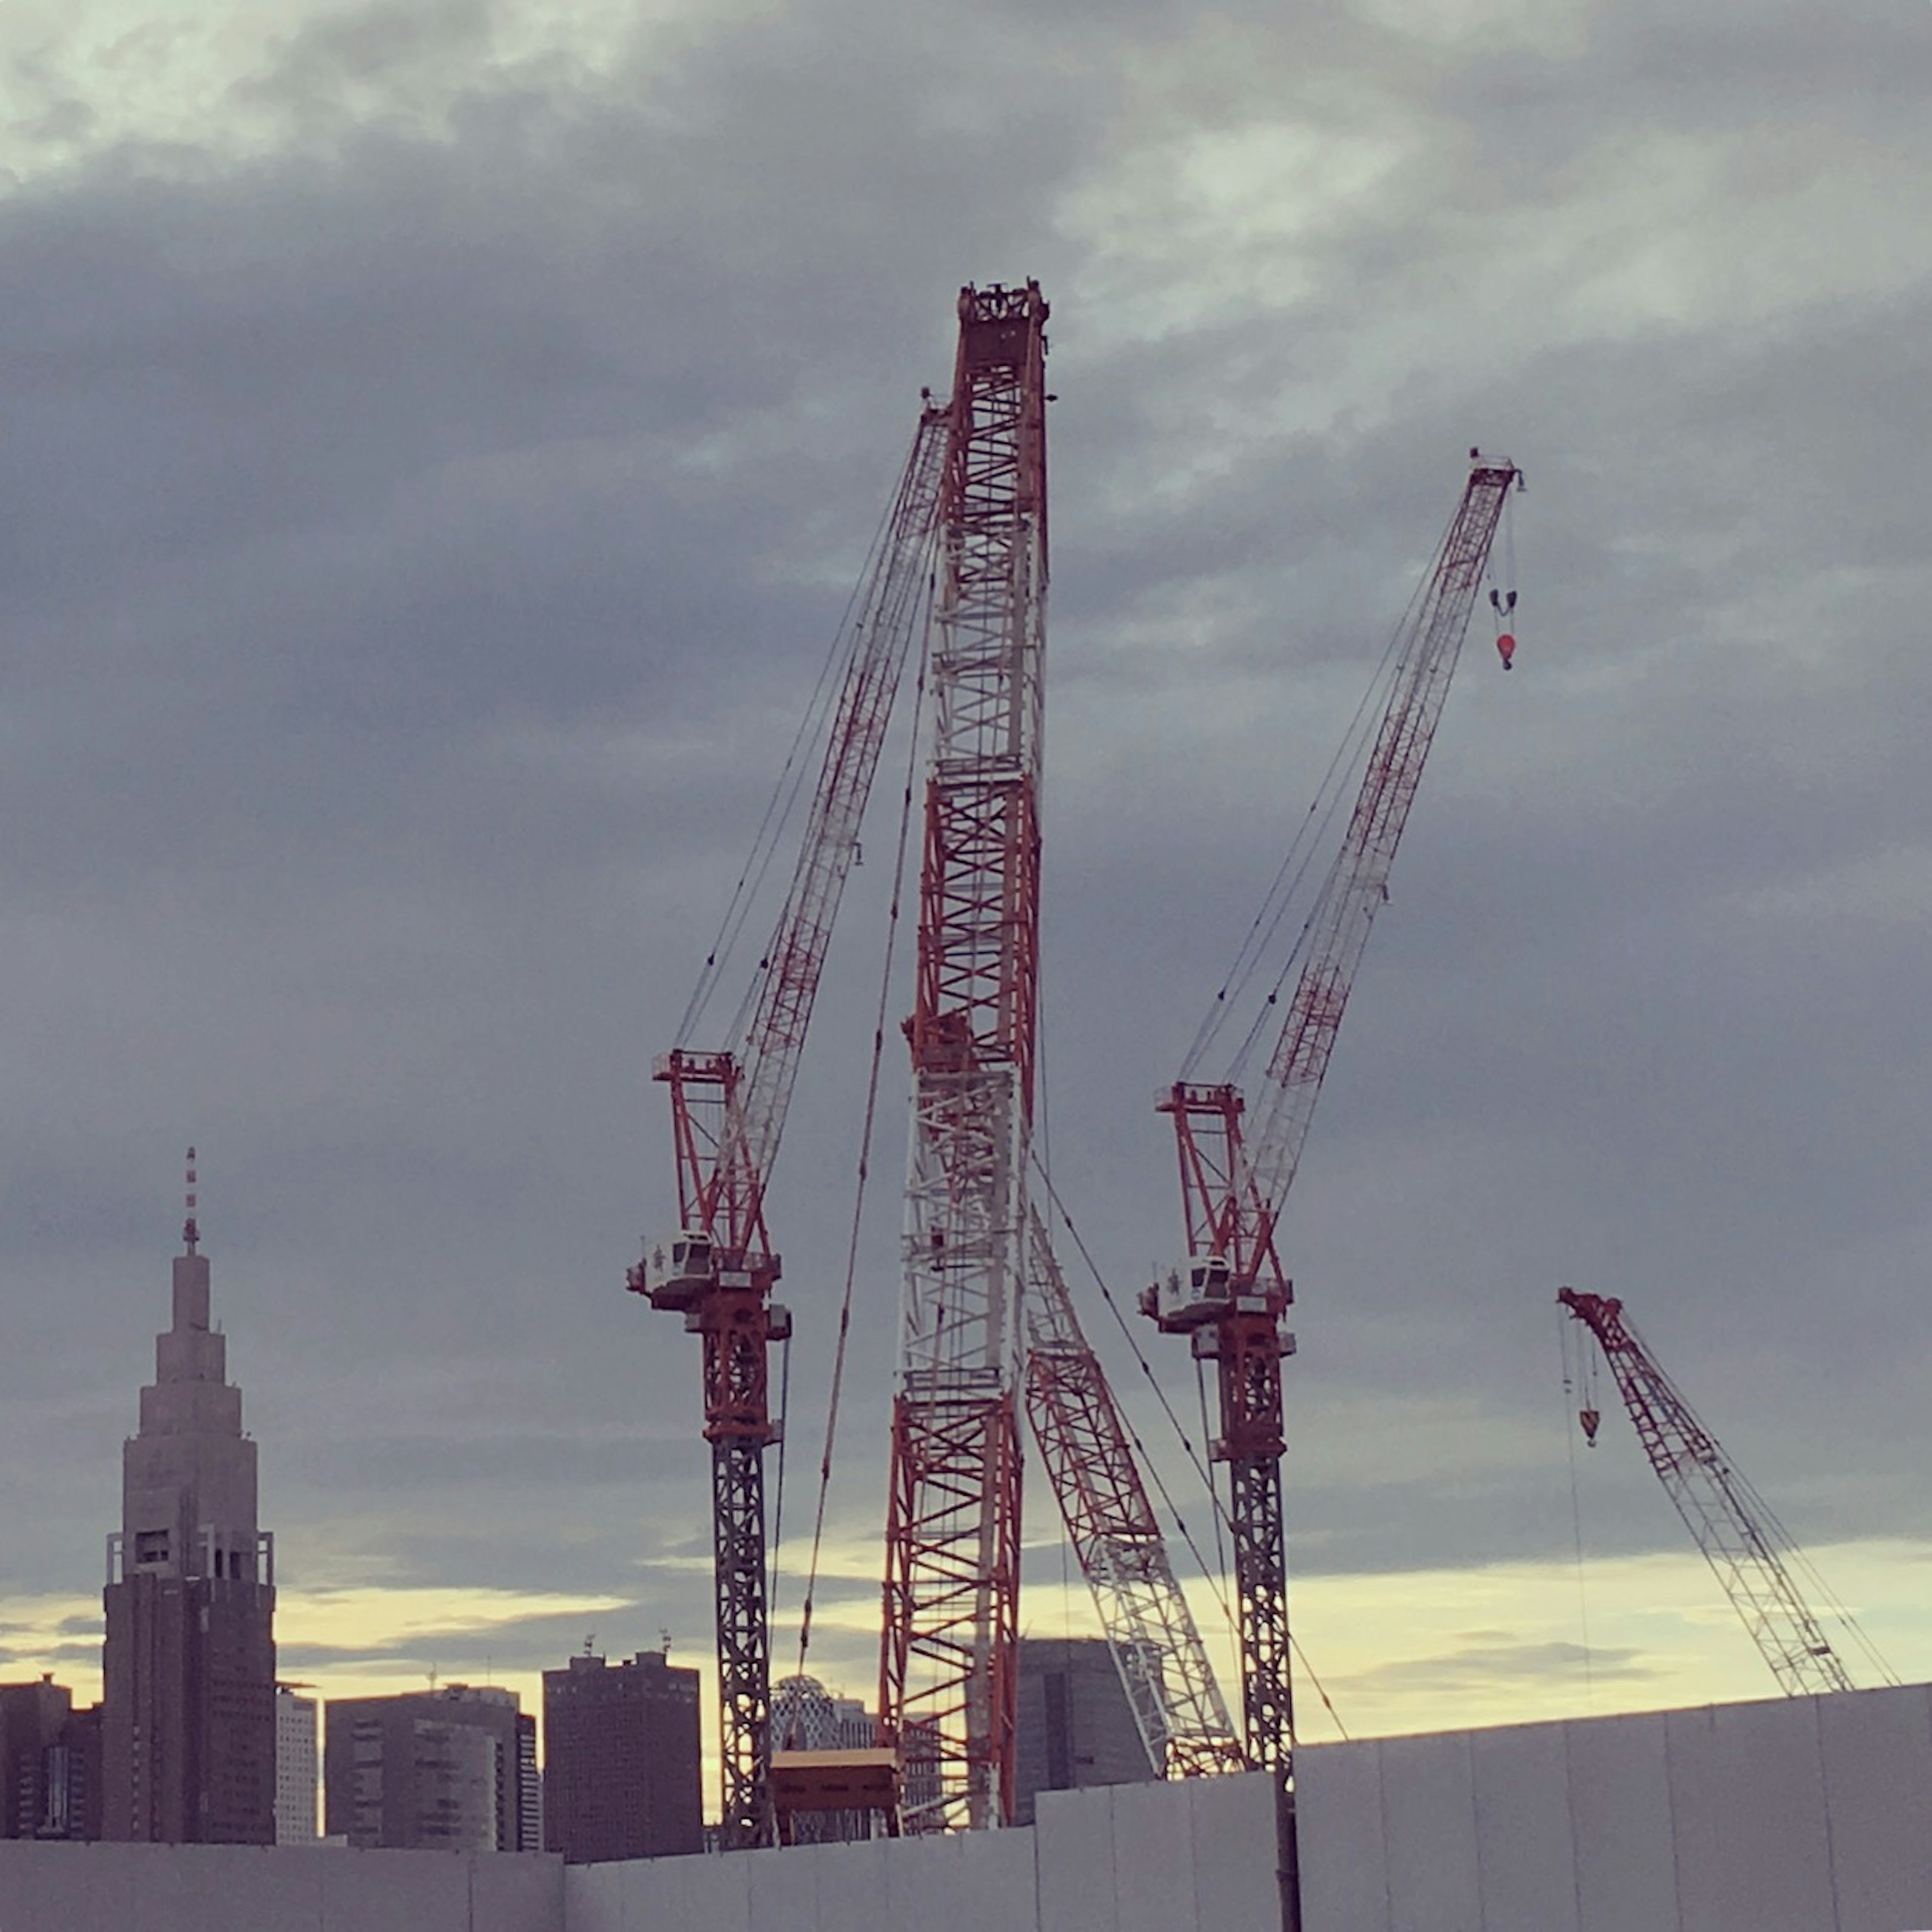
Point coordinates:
[[423, 528]]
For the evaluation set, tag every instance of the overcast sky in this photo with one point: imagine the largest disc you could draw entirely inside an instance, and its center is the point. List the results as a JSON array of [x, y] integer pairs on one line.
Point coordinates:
[[438, 440]]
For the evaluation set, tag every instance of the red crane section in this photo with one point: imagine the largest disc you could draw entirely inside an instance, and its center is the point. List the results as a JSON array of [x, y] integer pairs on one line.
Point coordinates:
[[1731, 1524], [1231, 1298], [948, 1686], [727, 1115]]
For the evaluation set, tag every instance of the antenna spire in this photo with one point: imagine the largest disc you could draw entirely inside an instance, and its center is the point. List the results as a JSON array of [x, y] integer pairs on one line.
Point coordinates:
[[190, 1228]]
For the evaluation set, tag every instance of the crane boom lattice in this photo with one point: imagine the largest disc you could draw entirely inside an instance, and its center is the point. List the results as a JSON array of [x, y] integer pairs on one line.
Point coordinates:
[[1088, 1457], [1730, 1523]]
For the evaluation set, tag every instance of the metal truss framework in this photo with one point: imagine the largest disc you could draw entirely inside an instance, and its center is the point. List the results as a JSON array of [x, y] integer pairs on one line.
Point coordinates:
[[1088, 1457], [947, 1669], [1734, 1529]]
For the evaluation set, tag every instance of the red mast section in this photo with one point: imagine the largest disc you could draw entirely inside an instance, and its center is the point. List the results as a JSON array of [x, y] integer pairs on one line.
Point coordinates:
[[948, 1684], [1732, 1524], [1232, 1297], [727, 1113]]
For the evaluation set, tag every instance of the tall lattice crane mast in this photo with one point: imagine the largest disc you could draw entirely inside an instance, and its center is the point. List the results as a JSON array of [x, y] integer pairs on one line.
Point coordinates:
[[727, 1113], [1232, 1297], [1732, 1525], [1088, 1456], [948, 1684]]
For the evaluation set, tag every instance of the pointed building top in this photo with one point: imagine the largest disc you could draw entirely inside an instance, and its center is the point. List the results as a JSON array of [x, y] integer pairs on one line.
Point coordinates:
[[190, 1228]]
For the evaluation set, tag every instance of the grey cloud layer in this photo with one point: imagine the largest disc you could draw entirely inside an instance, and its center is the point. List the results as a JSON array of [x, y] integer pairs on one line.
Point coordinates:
[[422, 532]]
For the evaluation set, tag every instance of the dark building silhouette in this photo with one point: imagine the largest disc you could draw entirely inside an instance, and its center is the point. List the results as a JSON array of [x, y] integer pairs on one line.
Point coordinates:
[[1076, 1727], [50, 1763], [621, 1777], [452, 1769], [188, 1725]]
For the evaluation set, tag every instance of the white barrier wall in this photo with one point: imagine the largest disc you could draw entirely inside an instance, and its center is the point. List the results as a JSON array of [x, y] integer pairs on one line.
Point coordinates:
[[1795, 1815], [1799, 1814], [60, 1888], [1198, 1857]]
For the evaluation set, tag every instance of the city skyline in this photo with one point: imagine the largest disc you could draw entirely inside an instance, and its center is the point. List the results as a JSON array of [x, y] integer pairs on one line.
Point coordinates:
[[445, 440]]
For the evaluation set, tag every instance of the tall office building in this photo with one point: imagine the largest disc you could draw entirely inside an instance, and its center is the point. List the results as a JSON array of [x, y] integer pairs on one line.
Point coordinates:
[[298, 1768], [1076, 1727], [621, 1759], [189, 1713], [452, 1769], [50, 1763]]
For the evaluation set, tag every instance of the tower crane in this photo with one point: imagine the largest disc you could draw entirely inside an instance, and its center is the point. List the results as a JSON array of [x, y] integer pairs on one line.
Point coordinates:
[[728, 1109], [1749, 1550], [948, 1682], [1232, 1295]]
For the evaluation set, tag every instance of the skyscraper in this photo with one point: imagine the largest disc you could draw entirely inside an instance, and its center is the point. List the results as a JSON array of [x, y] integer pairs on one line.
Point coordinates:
[[1076, 1727], [50, 1763], [297, 1766], [451, 1769], [621, 1759], [188, 1742]]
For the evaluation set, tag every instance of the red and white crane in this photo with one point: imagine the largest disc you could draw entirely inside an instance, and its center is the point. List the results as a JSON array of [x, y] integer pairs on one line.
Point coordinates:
[[948, 1691], [728, 1109], [1232, 1295], [1749, 1550]]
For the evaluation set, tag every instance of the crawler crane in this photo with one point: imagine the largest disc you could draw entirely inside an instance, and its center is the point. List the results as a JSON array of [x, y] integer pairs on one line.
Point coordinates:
[[1749, 1550]]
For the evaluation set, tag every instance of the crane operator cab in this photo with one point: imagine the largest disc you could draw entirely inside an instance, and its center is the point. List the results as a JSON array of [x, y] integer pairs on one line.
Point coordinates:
[[1188, 1297], [677, 1271]]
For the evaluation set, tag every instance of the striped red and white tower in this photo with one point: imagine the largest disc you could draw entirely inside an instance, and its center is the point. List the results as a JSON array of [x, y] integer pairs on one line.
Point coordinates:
[[948, 1676]]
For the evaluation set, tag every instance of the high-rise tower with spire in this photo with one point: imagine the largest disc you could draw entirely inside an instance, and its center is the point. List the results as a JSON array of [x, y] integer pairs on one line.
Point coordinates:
[[188, 1746]]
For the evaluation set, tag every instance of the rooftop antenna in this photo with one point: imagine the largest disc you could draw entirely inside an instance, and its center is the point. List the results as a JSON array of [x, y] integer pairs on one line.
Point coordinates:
[[590, 1645], [190, 1228], [663, 1641]]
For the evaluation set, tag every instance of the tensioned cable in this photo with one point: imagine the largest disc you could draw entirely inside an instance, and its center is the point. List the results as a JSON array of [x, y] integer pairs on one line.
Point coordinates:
[[783, 797], [1285, 889], [1575, 1512], [864, 1151]]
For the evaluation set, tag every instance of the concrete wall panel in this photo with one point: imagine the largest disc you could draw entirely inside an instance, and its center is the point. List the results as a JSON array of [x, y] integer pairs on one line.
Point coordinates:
[[1877, 1751], [1234, 1882], [1344, 1848], [224, 1888], [1154, 1860], [849, 1883], [1748, 1795], [783, 1896], [703, 1895], [593, 1898], [1428, 1803], [997, 1883], [390, 1891], [1073, 1850], [515, 1892], [1620, 1824], [1524, 1857]]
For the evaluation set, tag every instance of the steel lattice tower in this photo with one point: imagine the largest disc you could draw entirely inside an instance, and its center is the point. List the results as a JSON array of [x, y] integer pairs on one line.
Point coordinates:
[[948, 1682]]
